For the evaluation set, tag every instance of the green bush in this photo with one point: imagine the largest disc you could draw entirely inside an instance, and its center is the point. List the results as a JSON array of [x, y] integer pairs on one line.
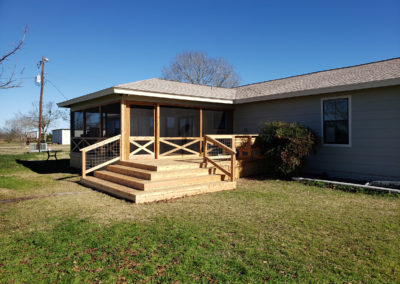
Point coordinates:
[[285, 145]]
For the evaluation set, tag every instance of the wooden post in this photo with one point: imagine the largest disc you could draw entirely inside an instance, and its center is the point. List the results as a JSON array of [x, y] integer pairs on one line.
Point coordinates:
[[205, 151], [127, 130], [157, 132], [201, 131], [40, 106], [233, 158], [124, 147], [83, 163]]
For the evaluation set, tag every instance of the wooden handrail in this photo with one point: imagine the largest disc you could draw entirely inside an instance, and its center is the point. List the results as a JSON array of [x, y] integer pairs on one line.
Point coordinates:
[[220, 145], [228, 136], [101, 143], [231, 151]]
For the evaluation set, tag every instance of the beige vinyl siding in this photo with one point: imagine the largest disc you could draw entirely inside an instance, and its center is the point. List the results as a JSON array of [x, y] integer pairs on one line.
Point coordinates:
[[375, 126]]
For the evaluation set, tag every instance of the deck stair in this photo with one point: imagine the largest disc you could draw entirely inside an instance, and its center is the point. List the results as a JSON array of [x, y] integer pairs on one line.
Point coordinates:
[[153, 180]]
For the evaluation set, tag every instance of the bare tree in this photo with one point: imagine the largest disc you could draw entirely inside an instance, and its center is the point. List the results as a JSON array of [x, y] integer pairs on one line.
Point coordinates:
[[9, 81], [16, 127], [198, 68], [50, 115], [21, 123]]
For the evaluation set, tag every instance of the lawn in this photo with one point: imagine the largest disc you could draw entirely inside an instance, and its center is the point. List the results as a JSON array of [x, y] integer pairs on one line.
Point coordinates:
[[266, 230]]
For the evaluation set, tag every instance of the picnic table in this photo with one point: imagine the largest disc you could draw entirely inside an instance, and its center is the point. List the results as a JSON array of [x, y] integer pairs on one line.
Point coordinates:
[[52, 153]]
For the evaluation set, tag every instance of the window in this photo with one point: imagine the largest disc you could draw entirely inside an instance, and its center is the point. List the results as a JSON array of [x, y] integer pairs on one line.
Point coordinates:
[[336, 121]]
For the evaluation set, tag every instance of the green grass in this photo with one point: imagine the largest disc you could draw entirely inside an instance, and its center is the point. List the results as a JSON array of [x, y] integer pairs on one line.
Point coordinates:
[[268, 230], [16, 183], [9, 164]]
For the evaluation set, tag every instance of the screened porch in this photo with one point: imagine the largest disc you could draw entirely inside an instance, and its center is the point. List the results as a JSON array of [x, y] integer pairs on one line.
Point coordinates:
[[149, 129]]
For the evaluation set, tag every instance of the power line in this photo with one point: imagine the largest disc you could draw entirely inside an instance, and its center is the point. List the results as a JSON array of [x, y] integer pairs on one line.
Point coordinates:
[[47, 80]]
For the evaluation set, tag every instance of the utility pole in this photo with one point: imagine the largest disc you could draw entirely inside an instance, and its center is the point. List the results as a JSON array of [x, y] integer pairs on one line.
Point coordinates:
[[41, 103]]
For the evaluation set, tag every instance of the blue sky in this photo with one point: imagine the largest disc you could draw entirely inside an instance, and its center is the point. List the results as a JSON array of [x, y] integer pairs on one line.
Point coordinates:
[[96, 44]]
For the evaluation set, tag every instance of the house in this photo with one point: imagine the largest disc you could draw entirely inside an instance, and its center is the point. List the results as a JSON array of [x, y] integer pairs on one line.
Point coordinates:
[[61, 136], [355, 110]]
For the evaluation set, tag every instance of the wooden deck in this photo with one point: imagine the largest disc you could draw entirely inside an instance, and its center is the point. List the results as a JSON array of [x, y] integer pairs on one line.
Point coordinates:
[[149, 180]]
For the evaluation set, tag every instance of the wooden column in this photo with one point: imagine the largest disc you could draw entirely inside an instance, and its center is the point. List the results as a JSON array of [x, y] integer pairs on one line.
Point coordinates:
[[125, 130], [233, 158], [156, 130], [201, 131], [83, 164]]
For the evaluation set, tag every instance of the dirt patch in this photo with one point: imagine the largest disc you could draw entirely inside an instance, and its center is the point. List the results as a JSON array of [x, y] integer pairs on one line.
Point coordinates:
[[13, 200]]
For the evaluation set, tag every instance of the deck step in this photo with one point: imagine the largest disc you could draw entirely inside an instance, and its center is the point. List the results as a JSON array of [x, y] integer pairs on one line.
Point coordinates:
[[139, 196], [183, 191], [142, 184], [156, 175], [161, 167], [110, 188]]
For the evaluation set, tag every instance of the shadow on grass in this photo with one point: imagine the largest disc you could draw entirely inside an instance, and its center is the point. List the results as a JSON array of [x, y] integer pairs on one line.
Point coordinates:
[[48, 167]]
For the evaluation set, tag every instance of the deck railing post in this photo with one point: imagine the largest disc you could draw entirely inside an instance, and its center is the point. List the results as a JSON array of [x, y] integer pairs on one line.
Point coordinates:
[[157, 132], [205, 147], [83, 163], [233, 158]]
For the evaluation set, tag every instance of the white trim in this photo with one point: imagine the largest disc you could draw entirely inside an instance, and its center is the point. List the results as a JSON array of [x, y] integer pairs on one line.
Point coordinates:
[[349, 119], [113, 90], [170, 96], [91, 96]]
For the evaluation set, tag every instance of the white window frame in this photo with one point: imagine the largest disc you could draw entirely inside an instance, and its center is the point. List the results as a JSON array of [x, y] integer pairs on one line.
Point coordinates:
[[349, 119]]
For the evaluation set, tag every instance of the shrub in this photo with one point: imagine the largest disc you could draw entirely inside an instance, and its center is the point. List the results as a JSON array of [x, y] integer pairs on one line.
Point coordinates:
[[285, 145]]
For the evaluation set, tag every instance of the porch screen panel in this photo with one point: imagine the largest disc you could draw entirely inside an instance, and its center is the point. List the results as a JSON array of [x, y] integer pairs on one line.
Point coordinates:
[[93, 122], [77, 124], [217, 122], [142, 121], [111, 120], [179, 122], [141, 124]]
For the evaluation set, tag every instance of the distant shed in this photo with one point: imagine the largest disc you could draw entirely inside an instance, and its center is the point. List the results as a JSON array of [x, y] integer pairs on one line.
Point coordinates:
[[62, 136]]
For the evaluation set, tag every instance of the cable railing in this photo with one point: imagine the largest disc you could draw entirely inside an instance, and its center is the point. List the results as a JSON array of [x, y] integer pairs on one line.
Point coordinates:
[[100, 154]]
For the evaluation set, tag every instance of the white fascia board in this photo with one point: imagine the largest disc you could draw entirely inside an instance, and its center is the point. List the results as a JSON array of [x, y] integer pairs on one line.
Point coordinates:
[[170, 96], [91, 96]]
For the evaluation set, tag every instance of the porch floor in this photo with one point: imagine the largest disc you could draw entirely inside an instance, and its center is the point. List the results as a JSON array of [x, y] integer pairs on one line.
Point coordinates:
[[148, 179]]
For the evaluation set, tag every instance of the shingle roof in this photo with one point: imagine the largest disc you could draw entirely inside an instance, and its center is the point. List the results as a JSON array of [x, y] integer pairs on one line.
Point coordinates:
[[320, 82], [179, 88], [375, 74]]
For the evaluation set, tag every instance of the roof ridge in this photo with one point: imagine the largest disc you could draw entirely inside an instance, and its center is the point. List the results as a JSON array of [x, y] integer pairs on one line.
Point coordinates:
[[192, 84], [131, 82], [320, 71]]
